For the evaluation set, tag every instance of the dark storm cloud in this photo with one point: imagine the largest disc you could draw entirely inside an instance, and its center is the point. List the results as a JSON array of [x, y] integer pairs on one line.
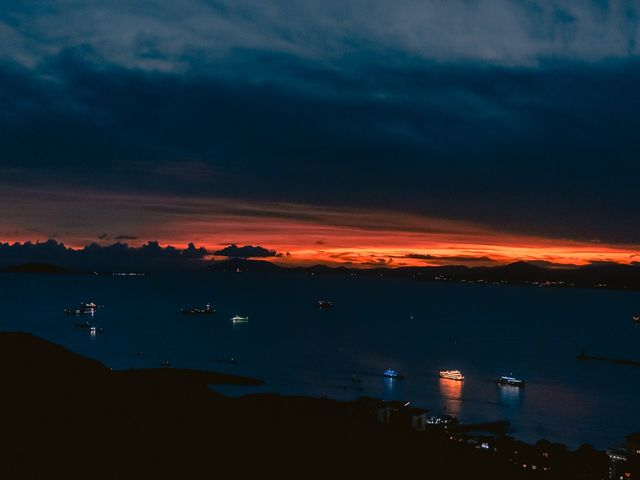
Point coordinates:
[[246, 251], [524, 117], [119, 256], [162, 35], [450, 259], [419, 256]]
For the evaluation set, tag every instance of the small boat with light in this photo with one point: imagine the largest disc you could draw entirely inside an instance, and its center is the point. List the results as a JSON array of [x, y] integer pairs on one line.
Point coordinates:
[[510, 381], [452, 375], [636, 319], [324, 304], [89, 308], [389, 373], [207, 310], [239, 319]]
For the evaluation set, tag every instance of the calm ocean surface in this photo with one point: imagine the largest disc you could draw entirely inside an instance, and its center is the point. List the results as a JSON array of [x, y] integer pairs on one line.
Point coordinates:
[[377, 323]]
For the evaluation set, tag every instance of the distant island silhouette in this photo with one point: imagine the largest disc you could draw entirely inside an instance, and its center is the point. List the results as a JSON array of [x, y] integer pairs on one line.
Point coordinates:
[[54, 258]]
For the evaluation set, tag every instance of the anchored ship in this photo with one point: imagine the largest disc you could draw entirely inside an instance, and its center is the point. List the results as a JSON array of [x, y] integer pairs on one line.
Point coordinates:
[[207, 310], [389, 373], [89, 308], [452, 375], [239, 319], [512, 381]]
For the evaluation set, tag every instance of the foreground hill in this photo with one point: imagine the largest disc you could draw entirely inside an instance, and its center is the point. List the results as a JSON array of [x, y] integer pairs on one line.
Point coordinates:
[[65, 416]]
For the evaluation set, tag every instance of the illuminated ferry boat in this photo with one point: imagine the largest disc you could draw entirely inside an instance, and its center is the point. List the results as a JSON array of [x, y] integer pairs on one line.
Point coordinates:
[[207, 310], [389, 373], [239, 319], [511, 381], [452, 375]]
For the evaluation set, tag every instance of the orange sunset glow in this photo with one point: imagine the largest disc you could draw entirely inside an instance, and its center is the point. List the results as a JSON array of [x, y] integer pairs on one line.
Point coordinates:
[[301, 234]]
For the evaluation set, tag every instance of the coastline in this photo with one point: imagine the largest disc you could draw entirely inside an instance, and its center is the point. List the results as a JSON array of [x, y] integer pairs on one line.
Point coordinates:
[[608, 276], [68, 412]]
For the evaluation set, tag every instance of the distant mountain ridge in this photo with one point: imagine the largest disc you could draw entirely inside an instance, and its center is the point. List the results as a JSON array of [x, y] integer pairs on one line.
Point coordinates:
[[54, 258], [612, 276]]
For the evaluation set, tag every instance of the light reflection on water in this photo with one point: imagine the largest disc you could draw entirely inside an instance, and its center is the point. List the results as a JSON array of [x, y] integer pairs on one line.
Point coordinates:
[[451, 393], [510, 395], [389, 387]]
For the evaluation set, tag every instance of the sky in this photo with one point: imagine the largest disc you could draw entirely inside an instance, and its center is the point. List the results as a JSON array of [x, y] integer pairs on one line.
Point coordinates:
[[360, 132]]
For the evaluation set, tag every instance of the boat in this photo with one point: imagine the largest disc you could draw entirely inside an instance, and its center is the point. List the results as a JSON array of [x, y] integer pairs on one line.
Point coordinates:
[[452, 375], [89, 308], [207, 310], [324, 304], [165, 363], [389, 373], [636, 318], [355, 378], [239, 319], [511, 381]]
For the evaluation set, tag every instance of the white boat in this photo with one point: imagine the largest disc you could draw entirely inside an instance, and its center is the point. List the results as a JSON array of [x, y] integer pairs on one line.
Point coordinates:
[[239, 319], [452, 375], [511, 381], [89, 308], [389, 373]]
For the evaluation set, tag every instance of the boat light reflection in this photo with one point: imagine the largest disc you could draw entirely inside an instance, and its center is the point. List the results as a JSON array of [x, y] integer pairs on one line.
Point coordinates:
[[451, 393]]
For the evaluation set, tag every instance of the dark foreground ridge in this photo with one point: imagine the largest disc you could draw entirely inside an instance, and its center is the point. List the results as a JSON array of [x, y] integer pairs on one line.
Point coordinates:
[[66, 416]]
